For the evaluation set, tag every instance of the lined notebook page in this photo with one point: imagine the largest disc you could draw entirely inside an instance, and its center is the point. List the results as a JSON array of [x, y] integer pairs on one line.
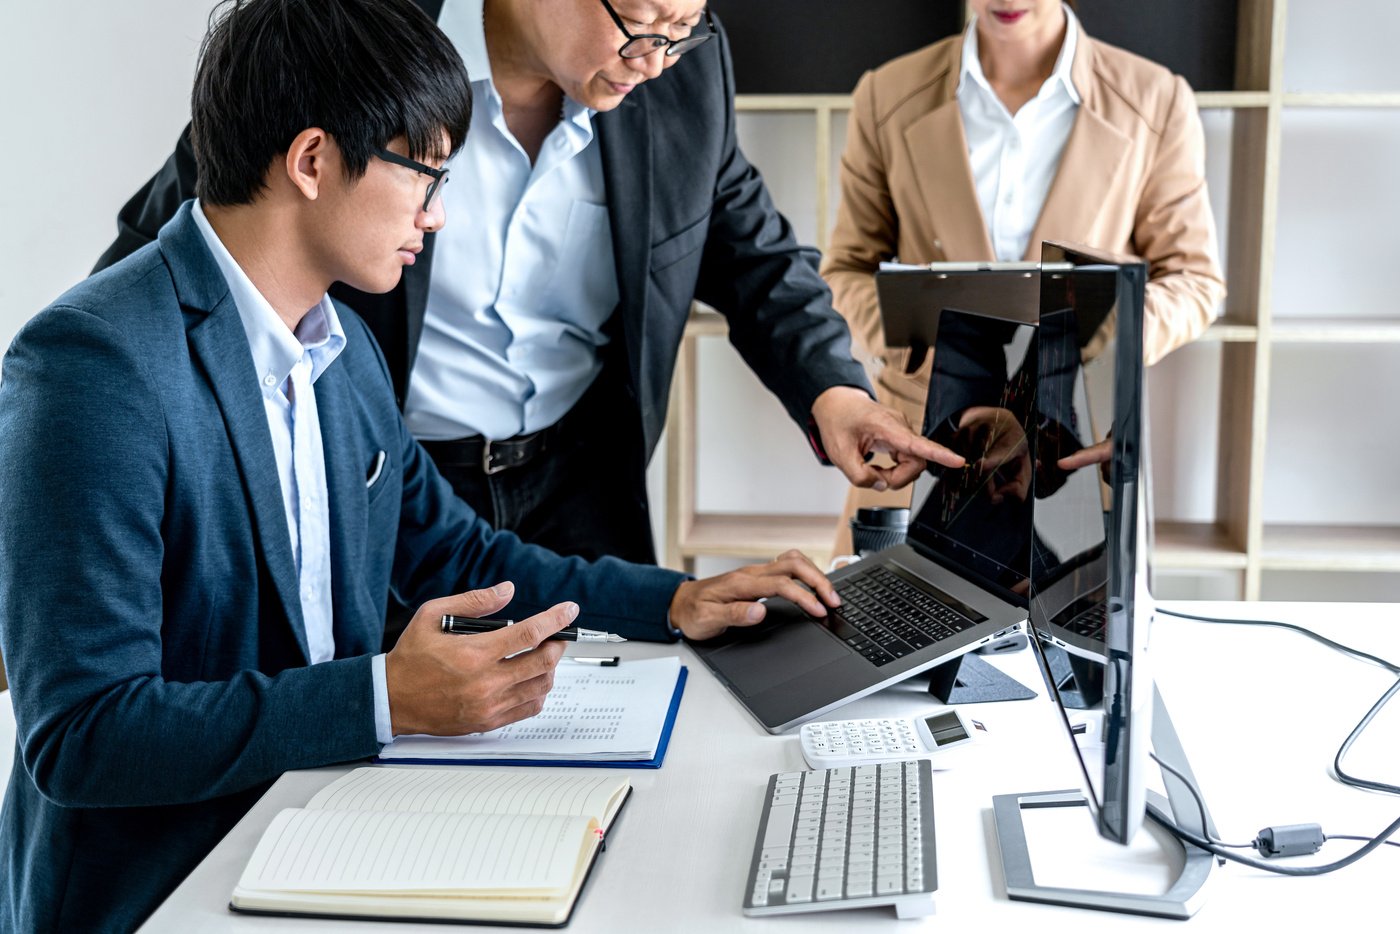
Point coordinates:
[[374, 852], [457, 791]]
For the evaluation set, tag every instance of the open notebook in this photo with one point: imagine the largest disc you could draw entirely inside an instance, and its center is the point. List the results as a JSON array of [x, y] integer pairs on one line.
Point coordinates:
[[435, 844]]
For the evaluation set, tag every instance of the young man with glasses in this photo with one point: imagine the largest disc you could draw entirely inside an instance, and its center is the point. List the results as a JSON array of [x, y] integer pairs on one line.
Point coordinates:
[[533, 343], [209, 491]]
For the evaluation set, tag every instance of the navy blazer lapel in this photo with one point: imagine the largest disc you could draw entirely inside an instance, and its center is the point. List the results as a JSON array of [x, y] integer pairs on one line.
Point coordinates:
[[347, 460], [218, 341], [624, 134]]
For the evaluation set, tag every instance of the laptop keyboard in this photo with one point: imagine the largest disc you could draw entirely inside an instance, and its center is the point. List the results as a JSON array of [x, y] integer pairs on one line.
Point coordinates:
[[885, 617]]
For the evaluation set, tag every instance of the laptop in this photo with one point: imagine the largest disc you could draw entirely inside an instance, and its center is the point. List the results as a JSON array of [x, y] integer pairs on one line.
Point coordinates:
[[958, 582]]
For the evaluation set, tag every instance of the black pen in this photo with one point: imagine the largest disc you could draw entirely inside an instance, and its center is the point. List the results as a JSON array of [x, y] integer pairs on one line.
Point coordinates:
[[469, 624]]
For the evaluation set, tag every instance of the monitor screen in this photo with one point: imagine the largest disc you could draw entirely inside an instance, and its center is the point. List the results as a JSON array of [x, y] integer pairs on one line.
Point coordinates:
[[1089, 606]]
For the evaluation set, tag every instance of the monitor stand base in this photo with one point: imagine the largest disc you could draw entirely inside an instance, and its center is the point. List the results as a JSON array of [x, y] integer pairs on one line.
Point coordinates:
[[1180, 901]]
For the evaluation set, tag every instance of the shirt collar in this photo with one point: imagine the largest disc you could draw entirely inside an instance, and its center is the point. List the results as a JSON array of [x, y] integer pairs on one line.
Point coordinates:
[[275, 349], [972, 65]]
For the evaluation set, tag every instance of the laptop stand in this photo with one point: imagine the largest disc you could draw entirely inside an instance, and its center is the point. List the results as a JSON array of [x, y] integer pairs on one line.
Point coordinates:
[[972, 680]]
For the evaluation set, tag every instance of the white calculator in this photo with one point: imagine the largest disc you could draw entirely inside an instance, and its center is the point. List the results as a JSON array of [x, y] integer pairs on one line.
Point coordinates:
[[868, 742]]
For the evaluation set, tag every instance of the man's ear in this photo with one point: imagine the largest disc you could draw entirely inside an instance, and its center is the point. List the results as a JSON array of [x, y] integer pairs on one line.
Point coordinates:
[[310, 159]]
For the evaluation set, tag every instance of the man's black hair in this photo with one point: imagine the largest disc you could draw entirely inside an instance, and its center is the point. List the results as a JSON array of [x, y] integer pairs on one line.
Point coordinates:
[[365, 71]]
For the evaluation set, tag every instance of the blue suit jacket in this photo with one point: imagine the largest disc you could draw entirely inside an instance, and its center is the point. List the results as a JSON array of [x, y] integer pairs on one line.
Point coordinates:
[[148, 600]]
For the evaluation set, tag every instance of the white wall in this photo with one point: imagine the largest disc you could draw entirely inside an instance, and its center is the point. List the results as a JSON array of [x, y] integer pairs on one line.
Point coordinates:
[[92, 97]]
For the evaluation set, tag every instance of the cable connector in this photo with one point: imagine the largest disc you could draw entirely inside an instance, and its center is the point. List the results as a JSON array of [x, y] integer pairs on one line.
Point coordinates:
[[1289, 840]]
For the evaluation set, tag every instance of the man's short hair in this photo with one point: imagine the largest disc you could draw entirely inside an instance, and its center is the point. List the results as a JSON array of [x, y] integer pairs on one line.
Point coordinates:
[[365, 71]]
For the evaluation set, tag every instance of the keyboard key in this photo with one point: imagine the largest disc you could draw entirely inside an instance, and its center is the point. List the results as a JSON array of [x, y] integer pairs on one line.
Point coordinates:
[[779, 830]]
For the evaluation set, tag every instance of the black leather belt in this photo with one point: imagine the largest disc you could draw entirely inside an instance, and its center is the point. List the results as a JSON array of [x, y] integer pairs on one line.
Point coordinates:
[[490, 457]]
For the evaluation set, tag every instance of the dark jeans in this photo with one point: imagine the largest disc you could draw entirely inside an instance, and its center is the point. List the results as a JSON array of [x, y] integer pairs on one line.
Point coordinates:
[[578, 497]]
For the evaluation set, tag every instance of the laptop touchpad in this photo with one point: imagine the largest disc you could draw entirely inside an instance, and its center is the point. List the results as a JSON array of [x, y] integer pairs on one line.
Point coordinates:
[[787, 652]]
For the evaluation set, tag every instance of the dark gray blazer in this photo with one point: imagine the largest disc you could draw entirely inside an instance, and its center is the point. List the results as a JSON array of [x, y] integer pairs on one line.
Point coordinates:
[[149, 615], [691, 218]]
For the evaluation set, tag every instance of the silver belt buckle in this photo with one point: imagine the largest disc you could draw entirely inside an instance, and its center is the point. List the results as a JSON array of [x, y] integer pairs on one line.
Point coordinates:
[[486, 465]]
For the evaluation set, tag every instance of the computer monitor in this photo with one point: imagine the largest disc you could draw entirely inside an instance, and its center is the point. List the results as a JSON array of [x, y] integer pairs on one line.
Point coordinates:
[[1090, 599]]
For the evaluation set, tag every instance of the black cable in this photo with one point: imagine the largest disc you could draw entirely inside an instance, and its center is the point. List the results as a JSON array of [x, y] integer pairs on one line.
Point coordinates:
[[1340, 773], [1348, 836], [1345, 649], [1200, 805], [1223, 853], [1367, 783], [1218, 848]]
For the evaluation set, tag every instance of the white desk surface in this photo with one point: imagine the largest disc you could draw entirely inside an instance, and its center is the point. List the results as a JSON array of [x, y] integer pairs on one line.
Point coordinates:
[[1260, 712]]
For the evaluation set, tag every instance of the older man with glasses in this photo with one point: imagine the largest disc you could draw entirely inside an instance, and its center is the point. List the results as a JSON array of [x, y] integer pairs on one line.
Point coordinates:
[[533, 342]]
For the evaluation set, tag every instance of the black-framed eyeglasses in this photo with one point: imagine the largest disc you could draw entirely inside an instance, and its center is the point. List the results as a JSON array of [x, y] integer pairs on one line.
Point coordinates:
[[642, 46], [438, 176]]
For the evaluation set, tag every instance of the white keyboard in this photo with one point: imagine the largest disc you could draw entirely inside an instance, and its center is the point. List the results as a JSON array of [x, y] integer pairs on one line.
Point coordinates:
[[846, 838]]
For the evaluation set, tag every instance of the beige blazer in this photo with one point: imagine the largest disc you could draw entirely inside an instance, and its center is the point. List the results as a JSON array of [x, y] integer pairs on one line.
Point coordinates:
[[1131, 180]]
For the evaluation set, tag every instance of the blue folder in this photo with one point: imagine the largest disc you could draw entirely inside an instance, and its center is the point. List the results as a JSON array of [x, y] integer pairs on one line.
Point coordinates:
[[652, 763]]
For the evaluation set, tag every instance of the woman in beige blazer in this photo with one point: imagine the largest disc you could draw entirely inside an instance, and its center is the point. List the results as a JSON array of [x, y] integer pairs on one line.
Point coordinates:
[[1130, 179]]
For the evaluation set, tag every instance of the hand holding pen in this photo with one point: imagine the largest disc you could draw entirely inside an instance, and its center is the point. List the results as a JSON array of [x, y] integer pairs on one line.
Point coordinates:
[[445, 686], [468, 625]]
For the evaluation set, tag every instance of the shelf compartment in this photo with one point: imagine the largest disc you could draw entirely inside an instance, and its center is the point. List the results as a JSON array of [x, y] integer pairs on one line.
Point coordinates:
[[1342, 99], [1196, 546], [1230, 331], [1205, 100], [1231, 100], [1336, 330], [1308, 547], [746, 535]]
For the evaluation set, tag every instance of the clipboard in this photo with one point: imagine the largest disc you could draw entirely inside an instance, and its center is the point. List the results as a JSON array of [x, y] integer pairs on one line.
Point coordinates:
[[912, 297], [663, 742]]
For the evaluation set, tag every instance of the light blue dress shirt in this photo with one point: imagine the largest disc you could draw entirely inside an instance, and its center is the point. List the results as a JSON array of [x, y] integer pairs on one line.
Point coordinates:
[[287, 365], [522, 276]]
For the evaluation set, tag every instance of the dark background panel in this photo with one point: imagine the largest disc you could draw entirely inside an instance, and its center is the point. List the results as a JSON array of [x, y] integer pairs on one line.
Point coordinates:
[[1194, 38], [823, 46]]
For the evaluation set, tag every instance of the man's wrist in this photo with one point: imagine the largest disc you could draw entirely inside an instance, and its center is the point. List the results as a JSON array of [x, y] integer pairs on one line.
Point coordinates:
[[814, 432]]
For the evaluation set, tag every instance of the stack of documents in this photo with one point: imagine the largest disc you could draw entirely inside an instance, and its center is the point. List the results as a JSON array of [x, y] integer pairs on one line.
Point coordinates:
[[595, 716]]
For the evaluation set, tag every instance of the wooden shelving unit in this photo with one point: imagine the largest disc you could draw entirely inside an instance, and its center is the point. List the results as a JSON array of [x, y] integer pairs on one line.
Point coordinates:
[[1238, 540]]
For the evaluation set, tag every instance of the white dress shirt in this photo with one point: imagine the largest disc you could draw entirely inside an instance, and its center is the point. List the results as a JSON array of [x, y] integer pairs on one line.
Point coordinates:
[[522, 274], [287, 365], [1014, 157]]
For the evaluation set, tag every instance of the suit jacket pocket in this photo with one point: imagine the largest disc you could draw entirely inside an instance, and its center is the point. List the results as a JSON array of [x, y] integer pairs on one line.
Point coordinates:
[[380, 474], [678, 246]]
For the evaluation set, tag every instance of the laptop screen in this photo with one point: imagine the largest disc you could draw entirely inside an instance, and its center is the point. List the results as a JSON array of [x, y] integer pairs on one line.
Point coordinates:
[[981, 404]]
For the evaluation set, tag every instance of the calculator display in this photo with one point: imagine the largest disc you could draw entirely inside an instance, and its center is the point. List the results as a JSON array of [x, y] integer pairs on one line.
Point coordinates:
[[945, 728]]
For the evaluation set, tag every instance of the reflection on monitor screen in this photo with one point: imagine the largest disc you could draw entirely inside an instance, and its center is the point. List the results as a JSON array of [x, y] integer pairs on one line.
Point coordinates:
[[981, 405]]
